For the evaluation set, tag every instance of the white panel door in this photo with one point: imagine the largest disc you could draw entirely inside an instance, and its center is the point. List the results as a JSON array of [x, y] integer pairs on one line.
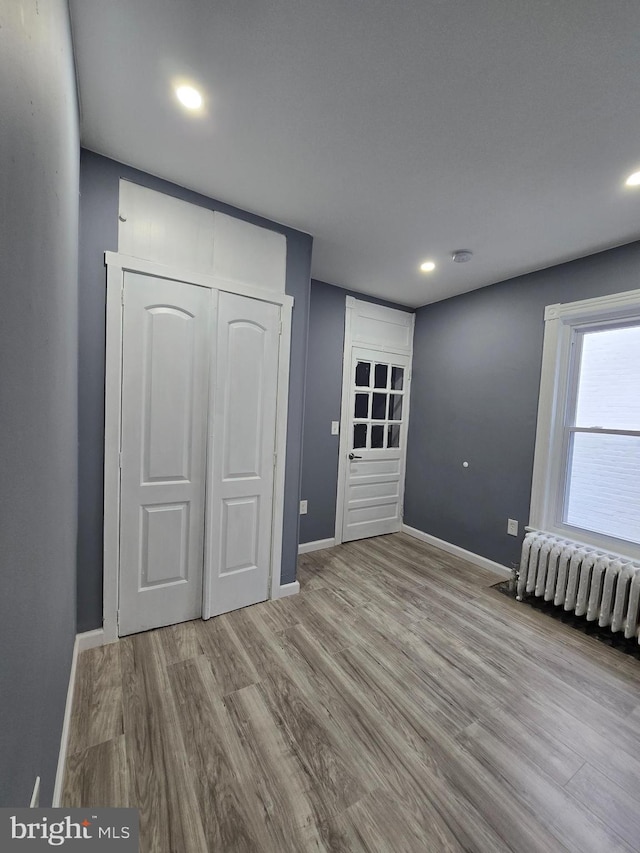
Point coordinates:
[[241, 454], [166, 333], [374, 483]]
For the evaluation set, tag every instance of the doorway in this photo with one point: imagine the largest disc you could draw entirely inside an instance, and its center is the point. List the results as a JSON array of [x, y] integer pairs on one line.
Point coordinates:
[[200, 379], [375, 409]]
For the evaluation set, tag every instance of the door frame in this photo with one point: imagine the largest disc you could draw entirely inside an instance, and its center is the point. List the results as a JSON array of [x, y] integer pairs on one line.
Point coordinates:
[[117, 265], [364, 326]]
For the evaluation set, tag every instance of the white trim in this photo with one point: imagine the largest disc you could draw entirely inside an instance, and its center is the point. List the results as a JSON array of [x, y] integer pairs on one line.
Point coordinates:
[[207, 580], [343, 442], [288, 589], [316, 545], [82, 642], [282, 420], [562, 340], [127, 263], [66, 725], [117, 265], [35, 796], [91, 640], [610, 307], [457, 551], [112, 419]]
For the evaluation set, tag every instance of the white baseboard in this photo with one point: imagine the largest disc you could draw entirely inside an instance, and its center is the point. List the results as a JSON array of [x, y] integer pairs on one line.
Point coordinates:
[[457, 551], [64, 738], [88, 640], [286, 589], [318, 545]]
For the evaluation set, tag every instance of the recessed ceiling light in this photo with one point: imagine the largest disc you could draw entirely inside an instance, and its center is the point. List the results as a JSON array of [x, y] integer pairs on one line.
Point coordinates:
[[189, 97], [633, 180], [427, 266], [461, 256]]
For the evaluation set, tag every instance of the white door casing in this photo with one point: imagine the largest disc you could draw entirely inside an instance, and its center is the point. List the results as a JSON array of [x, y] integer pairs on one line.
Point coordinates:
[[165, 358], [242, 459], [374, 419]]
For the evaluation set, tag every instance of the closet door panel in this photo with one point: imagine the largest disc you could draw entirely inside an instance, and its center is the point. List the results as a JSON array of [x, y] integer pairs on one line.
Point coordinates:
[[166, 331], [241, 453]]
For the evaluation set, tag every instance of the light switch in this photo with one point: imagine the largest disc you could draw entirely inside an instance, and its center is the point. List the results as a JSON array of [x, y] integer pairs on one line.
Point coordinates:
[[335, 427], [303, 507]]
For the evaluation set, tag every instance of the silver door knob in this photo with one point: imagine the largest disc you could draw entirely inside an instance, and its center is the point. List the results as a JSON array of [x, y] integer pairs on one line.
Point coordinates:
[[353, 456]]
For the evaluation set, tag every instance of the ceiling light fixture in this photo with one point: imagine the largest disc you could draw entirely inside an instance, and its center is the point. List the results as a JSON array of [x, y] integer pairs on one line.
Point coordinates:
[[461, 256], [427, 266], [189, 97], [633, 180]]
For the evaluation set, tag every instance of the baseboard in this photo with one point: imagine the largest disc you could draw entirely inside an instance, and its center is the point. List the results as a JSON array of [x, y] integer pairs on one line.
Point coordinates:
[[318, 545], [88, 640], [457, 551], [64, 738], [286, 589]]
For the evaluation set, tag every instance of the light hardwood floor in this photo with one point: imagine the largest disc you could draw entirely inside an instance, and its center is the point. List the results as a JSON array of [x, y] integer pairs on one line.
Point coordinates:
[[398, 703]]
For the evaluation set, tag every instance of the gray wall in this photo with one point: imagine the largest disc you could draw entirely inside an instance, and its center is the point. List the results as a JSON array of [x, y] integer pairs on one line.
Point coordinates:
[[476, 378], [322, 405], [99, 179], [38, 356]]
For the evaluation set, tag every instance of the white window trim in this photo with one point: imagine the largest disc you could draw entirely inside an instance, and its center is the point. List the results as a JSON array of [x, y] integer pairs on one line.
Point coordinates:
[[562, 322]]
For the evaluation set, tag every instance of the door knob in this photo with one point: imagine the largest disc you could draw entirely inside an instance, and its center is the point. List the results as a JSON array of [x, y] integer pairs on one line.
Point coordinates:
[[353, 456]]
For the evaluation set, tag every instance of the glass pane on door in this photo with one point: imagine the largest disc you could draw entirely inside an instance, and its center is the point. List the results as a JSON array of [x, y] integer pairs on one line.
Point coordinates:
[[359, 436], [395, 407], [363, 373], [377, 436], [380, 380], [397, 378], [379, 407], [361, 409]]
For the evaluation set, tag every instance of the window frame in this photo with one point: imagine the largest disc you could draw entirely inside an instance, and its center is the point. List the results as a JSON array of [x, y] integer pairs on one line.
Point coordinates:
[[565, 325]]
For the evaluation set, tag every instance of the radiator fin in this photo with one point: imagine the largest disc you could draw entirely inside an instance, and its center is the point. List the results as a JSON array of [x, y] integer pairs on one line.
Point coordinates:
[[603, 587]]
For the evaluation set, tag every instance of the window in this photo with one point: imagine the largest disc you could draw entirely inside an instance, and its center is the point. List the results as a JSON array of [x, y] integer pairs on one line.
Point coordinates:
[[586, 481]]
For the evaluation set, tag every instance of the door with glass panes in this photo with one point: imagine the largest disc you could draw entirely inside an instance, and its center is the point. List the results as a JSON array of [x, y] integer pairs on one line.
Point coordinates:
[[378, 407]]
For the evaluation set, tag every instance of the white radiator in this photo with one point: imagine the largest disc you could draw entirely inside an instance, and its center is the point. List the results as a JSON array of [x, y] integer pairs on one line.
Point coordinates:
[[603, 587]]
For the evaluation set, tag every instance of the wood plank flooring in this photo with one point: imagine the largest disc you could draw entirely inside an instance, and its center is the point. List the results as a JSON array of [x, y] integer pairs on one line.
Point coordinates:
[[398, 703]]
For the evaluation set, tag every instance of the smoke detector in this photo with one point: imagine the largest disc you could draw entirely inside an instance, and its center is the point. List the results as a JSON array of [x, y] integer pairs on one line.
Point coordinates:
[[461, 256]]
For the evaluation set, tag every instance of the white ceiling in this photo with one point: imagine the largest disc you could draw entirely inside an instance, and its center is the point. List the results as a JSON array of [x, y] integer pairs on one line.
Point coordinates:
[[392, 132]]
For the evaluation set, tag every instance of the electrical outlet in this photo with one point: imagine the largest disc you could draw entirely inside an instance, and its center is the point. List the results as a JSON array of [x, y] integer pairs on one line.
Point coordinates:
[[335, 427], [303, 507], [512, 527]]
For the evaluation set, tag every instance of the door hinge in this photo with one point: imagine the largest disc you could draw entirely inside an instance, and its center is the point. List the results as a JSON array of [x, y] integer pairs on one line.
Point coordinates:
[[122, 295], [280, 328], [275, 460], [120, 459]]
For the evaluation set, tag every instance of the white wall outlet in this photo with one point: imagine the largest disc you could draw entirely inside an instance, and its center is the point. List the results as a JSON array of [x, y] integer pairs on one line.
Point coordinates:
[[512, 527], [303, 507], [35, 797], [335, 427]]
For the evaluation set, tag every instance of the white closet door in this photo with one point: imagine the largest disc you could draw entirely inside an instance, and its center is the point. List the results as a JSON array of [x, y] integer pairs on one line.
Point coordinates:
[[241, 454], [166, 332]]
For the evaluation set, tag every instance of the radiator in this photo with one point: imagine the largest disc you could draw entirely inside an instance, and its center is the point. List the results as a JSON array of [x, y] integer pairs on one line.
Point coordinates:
[[605, 588]]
